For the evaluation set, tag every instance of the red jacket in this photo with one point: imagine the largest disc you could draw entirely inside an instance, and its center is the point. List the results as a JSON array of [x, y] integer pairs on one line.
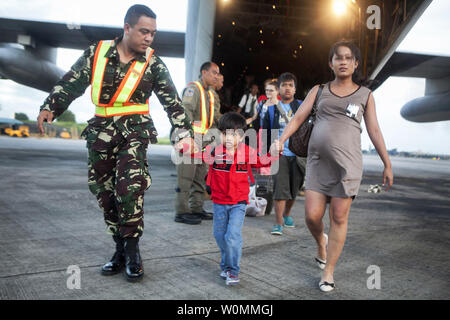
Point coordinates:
[[228, 174]]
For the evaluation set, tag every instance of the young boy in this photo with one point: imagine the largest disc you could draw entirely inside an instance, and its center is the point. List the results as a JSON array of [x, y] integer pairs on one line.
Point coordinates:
[[230, 168]]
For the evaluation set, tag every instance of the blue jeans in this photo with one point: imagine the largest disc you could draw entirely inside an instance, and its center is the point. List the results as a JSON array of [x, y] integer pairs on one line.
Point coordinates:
[[228, 222]]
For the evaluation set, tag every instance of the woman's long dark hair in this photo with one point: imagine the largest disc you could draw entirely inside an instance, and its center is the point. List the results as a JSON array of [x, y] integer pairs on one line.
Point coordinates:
[[357, 76]]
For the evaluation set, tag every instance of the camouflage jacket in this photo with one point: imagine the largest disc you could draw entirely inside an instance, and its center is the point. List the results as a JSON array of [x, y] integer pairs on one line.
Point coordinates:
[[156, 78]]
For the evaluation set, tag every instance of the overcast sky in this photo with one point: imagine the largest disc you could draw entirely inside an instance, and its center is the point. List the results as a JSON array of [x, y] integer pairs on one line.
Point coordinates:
[[429, 35]]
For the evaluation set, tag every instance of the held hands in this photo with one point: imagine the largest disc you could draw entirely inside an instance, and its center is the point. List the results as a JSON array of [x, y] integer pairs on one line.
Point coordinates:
[[280, 146], [250, 120], [44, 115], [187, 146], [276, 148], [388, 175]]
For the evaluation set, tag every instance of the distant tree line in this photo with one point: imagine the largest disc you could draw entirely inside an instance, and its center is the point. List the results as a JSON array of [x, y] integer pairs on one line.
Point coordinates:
[[67, 116], [20, 116]]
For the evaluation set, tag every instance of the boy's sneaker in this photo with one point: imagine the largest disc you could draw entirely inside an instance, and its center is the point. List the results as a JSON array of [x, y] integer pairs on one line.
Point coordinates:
[[277, 229], [224, 274], [288, 222], [232, 280]]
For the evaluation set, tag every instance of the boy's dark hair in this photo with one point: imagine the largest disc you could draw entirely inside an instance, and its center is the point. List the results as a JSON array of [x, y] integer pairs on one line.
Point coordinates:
[[232, 121], [136, 11], [287, 76]]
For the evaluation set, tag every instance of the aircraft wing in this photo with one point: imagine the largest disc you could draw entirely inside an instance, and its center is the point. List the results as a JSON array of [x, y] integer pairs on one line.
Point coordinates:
[[62, 35], [435, 105], [413, 65]]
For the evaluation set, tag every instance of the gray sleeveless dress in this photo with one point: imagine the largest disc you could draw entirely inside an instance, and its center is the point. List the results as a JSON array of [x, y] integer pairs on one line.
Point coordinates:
[[334, 165]]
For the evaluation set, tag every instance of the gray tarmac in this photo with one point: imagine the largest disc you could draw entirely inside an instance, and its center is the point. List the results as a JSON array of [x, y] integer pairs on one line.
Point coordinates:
[[50, 221]]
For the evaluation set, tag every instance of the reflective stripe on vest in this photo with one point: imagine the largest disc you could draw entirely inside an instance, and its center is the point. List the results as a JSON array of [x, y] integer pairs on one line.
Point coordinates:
[[203, 127], [119, 103]]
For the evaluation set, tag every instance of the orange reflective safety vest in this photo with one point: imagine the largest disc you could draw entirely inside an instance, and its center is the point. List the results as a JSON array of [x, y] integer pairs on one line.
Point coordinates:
[[202, 127], [120, 103]]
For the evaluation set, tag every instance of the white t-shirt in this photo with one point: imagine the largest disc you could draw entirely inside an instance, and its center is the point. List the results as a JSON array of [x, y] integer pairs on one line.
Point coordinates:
[[251, 101]]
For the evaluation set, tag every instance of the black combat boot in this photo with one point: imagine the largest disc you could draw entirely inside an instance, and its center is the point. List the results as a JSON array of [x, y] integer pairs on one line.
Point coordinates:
[[187, 218], [117, 261], [134, 269], [204, 215]]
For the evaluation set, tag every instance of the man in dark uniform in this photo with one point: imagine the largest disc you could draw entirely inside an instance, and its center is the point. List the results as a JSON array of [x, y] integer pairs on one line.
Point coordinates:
[[123, 73], [198, 102]]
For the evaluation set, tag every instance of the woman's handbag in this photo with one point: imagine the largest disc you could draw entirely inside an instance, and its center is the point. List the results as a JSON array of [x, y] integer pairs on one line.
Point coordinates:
[[298, 142]]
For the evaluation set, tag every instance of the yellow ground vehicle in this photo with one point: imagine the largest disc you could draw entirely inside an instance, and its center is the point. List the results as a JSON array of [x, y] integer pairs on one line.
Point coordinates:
[[18, 131], [65, 134]]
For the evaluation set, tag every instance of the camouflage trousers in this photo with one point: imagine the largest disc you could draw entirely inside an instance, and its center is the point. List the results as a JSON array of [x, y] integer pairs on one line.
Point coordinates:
[[190, 193], [118, 177]]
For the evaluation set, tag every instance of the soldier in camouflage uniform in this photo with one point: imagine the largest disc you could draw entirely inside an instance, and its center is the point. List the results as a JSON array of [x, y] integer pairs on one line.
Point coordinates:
[[117, 145], [191, 188]]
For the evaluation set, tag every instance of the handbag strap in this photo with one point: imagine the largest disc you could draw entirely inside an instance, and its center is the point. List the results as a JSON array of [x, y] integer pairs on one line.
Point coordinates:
[[314, 107], [282, 112]]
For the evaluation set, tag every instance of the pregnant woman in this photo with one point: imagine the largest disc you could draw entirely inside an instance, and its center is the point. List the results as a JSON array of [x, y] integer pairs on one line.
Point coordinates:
[[334, 163]]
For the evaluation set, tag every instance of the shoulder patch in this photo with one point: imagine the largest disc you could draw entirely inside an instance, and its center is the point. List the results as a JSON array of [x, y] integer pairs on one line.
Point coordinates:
[[189, 92]]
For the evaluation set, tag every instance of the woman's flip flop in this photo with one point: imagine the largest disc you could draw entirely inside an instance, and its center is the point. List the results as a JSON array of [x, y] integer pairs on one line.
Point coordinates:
[[321, 263], [326, 286]]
